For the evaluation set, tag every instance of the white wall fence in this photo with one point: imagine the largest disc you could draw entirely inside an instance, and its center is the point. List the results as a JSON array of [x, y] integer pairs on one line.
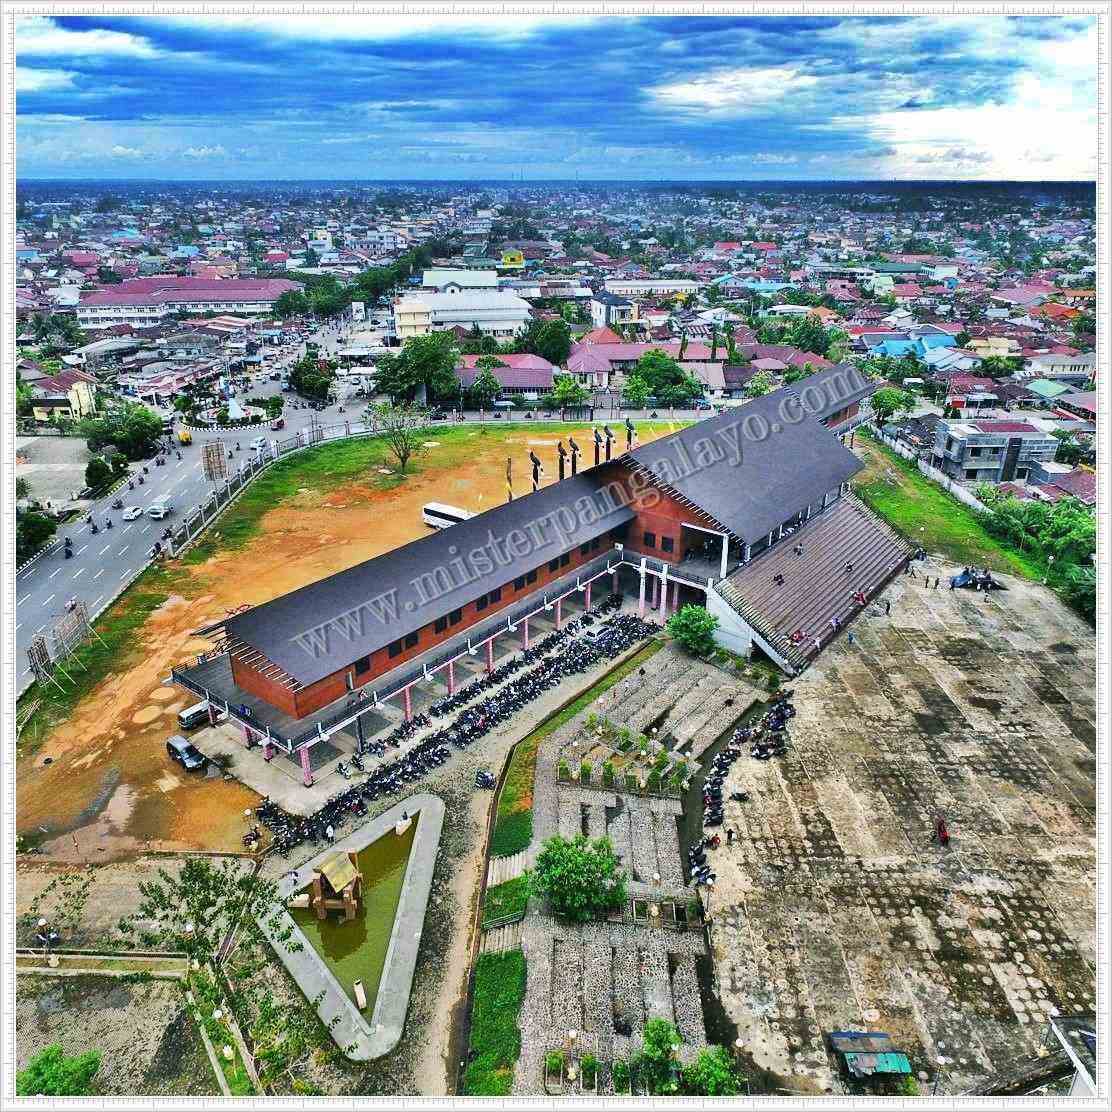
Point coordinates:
[[961, 493]]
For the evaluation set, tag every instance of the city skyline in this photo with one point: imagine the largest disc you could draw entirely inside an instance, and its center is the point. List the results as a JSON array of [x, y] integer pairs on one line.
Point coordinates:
[[778, 99]]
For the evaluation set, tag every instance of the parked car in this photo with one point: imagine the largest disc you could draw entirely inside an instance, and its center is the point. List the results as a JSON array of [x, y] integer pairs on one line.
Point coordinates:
[[182, 750], [132, 512]]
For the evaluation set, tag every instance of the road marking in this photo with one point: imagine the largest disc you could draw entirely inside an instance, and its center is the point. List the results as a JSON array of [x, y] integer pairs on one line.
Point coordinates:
[[45, 601], [99, 574], [126, 572], [43, 626], [104, 550], [81, 549], [18, 624], [122, 550], [126, 527], [77, 573], [23, 600], [98, 598], [54, 573]]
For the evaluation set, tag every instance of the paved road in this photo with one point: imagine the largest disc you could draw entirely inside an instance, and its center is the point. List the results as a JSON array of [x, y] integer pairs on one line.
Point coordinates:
[[102, 560]]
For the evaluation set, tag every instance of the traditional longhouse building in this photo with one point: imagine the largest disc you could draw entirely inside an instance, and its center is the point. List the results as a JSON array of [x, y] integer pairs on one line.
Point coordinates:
[[748, 513]]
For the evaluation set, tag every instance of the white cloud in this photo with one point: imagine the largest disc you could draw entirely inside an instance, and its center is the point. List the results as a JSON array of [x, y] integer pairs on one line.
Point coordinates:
[[119, 151], [775, 159], [418, 20], [38, 36], [216, 151], [42, 80], [733, 92]]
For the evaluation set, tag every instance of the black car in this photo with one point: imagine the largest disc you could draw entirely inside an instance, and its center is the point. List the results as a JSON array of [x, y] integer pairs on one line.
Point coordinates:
[[182, 750]]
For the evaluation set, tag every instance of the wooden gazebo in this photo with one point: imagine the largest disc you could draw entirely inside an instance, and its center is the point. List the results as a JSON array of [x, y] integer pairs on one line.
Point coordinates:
[[337, 886]]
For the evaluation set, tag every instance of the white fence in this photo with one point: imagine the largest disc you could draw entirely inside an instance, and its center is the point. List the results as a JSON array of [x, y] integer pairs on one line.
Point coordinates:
[[941, 478]]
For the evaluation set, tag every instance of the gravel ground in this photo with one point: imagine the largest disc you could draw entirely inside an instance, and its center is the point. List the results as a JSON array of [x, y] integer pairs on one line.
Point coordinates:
[[148, 1041]]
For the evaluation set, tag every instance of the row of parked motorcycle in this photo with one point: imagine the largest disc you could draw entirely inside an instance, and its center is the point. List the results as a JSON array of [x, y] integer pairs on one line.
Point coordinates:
[[559, 654]]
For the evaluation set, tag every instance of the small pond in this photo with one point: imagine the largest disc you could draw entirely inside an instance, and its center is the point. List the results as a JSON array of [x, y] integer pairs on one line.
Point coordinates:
[[356, 950]]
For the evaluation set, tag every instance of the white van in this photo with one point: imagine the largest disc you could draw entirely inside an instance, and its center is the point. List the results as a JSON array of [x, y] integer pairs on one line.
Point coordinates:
[[194, 716], [440, 516], [160, 509], [259, 444]]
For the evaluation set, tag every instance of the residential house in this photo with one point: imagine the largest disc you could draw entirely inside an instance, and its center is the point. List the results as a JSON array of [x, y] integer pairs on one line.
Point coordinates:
[[990, 450]]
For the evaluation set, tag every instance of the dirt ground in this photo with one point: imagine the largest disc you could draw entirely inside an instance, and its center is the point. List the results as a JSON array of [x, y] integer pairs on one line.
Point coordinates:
[[837, 908], [100, 786]]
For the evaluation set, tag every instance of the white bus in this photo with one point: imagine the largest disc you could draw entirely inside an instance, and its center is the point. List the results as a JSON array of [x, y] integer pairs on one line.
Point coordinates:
[[440, 516]]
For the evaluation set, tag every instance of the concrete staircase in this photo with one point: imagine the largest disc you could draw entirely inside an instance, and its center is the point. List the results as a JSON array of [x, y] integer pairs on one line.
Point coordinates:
[[501, 869], [502, 938]]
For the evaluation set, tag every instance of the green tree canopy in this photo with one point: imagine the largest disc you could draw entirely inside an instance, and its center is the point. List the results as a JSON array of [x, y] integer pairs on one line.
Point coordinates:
[[486, 386], [889, 400], [580, 878], [636, 391], [32, 531], [656, 1063], [668, 382], [693, 627], [425, 365], [759, 385], [130, 427], [566, 393], [553, 342], [51, 1074]]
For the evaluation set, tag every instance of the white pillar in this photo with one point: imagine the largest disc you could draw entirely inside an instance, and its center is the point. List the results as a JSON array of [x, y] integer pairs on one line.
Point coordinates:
[[725, 554], [641, 592], [663, 591]]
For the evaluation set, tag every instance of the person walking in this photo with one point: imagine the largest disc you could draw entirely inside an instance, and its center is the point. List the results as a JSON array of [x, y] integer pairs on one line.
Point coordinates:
[[888, 608]]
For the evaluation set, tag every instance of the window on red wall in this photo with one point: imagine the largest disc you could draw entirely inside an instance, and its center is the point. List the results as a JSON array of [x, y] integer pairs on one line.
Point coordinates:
[[440, 625], [565, 559], [410, 640], [667, 544], [495, 595], [455, 617], [650, 539], [363, 664], [519, 583], [395, 648], [531, 577]]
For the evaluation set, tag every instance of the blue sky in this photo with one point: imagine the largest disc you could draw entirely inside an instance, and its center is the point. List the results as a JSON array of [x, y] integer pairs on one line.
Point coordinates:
[[965, 97]]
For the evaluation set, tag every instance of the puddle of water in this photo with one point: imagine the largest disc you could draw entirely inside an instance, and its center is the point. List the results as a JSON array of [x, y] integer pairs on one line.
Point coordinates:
[[356, 950]]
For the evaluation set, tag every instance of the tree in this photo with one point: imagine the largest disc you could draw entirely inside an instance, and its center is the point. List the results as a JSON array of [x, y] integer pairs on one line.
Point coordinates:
[[889, 400], [130, 427], [98, 474], [32, 531], [566, 393], [668, 382], [635, 391], [553, 342], [404, 426], [292, 303], [486, 386], [712, 1074], [656, 1064], [194, 910], [693, 627], [107, 276], [1000, 366], [51, 1074], [312, 378], [22, 489], [426, 364], [580, 878], [759, 385]]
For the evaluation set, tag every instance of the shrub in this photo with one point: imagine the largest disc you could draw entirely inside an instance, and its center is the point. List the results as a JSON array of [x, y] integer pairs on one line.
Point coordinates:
[[620, 1072], [51, 1074], [563, 772], [495, 1037], [589, 1066], [554, 1062], [608, 773], [585, 769], [712, 1074], [654, 780]]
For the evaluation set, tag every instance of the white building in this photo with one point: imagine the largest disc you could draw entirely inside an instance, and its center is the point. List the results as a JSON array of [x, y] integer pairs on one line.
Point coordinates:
[[491, 311], [649, 287], [444, 280]]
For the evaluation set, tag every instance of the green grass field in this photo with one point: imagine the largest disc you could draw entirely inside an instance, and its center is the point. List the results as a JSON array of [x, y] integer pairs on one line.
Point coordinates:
[[926, 515], [495, 1036], [508, 898], [513, 825]]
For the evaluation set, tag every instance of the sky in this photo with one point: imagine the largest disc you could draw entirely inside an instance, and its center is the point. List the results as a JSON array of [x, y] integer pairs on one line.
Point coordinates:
[[388, 97]]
